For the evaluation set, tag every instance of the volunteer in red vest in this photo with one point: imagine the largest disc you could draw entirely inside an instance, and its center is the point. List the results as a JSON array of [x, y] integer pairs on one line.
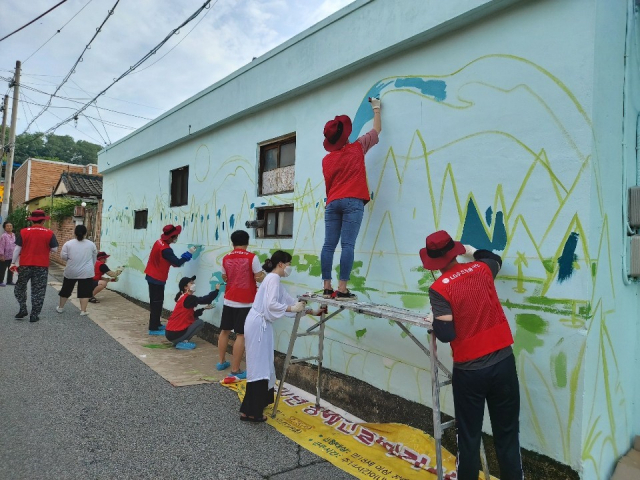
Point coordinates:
[[101, 269], [33, 246], [467, 313], [160, 260], [184, 323], [241, 270], [345, 177]]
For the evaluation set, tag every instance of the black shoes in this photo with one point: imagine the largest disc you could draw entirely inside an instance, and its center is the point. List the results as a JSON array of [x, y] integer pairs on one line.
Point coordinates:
[[34, 318], [328, 293], [347, 296], [21, 314]]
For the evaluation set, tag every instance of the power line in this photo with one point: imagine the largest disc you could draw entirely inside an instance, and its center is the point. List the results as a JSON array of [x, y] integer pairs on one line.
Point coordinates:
[[35, 19], [57, 32], [73, 68], [132, 68]]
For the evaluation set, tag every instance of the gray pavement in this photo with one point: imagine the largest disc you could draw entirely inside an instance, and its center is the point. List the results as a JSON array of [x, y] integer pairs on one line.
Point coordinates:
[[74, 404]]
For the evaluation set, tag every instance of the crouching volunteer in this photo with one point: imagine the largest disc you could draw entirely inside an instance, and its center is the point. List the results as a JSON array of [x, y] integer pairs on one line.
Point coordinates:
[[271, 303], [160, 260], [468, 314], [184, 323], [100, 270]]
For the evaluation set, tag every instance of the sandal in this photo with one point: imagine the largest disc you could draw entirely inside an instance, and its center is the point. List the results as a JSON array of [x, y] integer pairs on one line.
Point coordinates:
[[94, 300], [253, 419]]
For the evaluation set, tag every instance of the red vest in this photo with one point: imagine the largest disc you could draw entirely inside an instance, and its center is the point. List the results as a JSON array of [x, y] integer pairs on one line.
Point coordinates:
[[241, 283], [345, 175], [35, 246], [157, 266], [96, 270], [181, 318], [480, 323]]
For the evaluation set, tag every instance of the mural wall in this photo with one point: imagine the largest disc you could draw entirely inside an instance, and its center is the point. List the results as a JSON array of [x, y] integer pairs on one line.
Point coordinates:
[[496, 148]]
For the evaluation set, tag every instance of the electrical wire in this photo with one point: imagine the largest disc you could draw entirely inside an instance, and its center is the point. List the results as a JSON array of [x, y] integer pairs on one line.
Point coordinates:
[[94, 127], [73, 68], [99, 115], [35, 19], [57, 32], [132, 68]]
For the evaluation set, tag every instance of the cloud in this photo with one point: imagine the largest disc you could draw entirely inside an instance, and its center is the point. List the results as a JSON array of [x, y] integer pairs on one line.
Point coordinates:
[[228, 36]]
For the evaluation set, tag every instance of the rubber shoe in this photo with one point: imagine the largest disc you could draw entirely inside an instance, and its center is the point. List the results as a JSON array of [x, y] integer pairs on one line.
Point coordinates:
[[347, 296], [59, 310], [22, 314], [328, 293], [34, 318], [222, 366], [241, 375], [84, 314], [161, 327], [156, 332], [3, 284], [185, 346]]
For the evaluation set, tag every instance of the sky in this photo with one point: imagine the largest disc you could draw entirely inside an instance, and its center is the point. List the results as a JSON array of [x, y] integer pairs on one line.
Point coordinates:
[[219, 41]]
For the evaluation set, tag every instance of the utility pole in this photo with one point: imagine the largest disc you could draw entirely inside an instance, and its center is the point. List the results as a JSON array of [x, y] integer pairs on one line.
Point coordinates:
[[8, 176], [5, 111]]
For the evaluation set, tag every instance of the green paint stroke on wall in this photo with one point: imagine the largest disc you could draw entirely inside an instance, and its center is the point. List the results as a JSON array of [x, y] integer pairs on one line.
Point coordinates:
[[559, 368], [114, 244], [361, 333], [419, 301], [529, 329], [136, 263]]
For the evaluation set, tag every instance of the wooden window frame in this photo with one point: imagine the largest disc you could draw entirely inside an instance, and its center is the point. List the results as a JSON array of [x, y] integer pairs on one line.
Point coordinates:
[[261, 214], [270, 145], [185, 196], [136, 222]]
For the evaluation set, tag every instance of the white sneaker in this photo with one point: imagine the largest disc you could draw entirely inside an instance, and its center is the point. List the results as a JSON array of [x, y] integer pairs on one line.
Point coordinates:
[[59, 310], [84, 314]]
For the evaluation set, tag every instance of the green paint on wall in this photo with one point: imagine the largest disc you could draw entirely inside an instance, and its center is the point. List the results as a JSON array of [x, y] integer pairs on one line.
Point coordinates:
[[136, 263], [414, 301], [549, 264], [594, 269], [529, 330], [361, 333], [114, 244], [559, 367]]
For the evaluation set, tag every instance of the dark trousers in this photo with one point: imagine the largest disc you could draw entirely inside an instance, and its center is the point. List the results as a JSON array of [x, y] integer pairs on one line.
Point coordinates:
[[4, 266], [156, 299], [498, 386], [38, 277], [186, 334]]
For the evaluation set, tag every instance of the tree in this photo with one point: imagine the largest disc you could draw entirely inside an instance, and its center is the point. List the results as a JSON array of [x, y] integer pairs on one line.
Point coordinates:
[[55, 147]]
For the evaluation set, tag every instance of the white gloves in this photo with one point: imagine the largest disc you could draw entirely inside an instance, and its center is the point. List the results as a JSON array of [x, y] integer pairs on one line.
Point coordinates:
[[469, 250], [192, 249], [375, 103], [298, 307]]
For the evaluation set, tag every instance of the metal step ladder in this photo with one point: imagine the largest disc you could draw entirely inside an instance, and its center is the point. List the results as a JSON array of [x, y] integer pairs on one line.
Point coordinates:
[[440, 375]]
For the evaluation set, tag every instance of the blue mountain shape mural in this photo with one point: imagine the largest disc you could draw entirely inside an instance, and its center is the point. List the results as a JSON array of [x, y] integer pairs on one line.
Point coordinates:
[[474, 231]]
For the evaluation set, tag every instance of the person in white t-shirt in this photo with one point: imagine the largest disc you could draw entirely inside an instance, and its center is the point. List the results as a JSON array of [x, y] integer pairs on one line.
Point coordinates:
[[241, 270], [80, 255]]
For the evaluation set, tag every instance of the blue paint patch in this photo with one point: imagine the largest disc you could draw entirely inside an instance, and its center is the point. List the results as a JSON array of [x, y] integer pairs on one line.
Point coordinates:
[[216, 277], [207, 216], [488, 215], [109, 209], [317, 204], [568, 257], [217, 234], [371, 194], [176, 219], [222, 225], [219, 213], [263, 203], [184, 222], [434, 88], [232, 220], [160, 215], [202, 218], [252, 205], [126, 208], [192, 218], [473, 232]]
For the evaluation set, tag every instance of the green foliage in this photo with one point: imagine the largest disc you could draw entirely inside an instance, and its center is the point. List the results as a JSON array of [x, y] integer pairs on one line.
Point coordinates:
[[18, 218], [60, 148], [62, 208]]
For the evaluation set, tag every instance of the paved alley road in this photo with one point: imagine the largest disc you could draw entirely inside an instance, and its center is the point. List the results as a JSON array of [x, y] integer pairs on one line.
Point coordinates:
[[74, 404]]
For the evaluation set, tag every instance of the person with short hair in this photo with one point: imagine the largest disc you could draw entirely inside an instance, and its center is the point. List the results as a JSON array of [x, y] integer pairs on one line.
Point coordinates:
[[345, 177], [102, 275], [467, 313], [271, 303], [7, 246], [33, 246], [80, 255], [241, 270], [157, 271], [184, 323]]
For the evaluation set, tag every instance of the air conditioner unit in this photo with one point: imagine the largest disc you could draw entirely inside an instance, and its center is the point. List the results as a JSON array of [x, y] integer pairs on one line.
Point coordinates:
[[78, 211]]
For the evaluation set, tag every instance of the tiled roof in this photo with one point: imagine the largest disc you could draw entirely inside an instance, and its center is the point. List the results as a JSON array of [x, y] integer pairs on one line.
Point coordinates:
[[82, 184]]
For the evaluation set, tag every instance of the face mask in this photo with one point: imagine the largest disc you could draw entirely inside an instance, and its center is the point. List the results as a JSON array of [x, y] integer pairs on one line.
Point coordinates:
[[287, 270], [192, 287]]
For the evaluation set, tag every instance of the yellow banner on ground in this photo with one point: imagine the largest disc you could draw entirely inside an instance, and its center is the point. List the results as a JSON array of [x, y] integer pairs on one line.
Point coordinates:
[[379, 451]]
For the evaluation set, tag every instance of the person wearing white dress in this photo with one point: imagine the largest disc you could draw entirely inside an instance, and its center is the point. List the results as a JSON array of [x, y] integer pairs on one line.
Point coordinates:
[[271, 303]]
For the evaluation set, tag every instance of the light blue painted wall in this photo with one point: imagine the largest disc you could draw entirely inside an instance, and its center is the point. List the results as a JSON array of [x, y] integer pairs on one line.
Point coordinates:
[[519, 136]]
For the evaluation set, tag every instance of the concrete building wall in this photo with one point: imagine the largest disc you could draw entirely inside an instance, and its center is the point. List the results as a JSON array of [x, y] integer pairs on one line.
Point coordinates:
[[507, 133]]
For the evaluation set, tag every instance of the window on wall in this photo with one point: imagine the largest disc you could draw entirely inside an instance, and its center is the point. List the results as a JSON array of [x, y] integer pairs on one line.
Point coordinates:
[[277, 222], [277, 165], [140, 219], [180, 186]]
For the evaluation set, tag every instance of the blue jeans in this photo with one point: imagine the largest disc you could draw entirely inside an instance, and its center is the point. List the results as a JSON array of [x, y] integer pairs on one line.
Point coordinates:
[[342, 219]]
